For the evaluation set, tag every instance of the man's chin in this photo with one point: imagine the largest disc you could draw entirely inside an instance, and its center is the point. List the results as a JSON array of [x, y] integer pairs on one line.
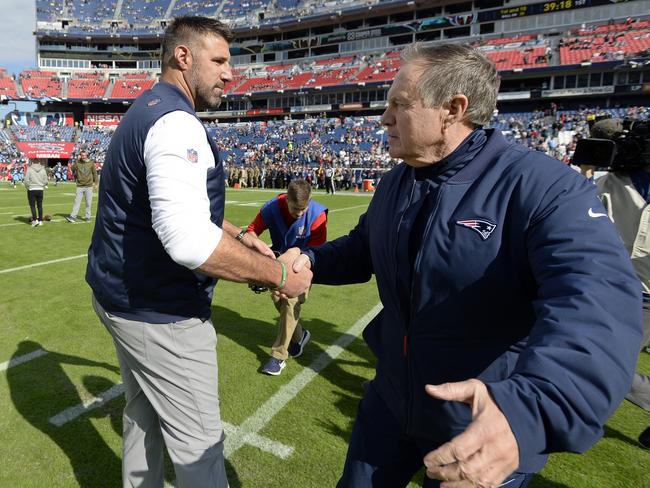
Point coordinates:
[[212, 104]]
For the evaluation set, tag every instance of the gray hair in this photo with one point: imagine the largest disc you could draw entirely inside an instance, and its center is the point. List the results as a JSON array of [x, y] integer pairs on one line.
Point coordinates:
[[452, 69]]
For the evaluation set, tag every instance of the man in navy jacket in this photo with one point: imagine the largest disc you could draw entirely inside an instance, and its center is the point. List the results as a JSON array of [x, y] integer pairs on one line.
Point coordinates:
[[511, 319]]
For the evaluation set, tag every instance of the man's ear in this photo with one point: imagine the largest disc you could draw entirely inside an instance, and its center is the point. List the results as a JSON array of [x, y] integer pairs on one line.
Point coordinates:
[[183, 57], [457, 108]]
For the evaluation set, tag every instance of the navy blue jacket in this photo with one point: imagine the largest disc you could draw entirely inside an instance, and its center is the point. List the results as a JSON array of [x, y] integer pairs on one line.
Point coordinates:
[[513, 283], [297, 235], [130, 272]]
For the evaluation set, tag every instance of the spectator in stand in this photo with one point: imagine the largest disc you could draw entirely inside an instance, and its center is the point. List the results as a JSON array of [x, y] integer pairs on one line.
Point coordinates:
[[85, 175], [35, 182], [329, 180], [294, 220]]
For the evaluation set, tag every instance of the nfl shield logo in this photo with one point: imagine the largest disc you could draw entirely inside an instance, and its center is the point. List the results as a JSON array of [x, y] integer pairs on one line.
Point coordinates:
[[192, 156]]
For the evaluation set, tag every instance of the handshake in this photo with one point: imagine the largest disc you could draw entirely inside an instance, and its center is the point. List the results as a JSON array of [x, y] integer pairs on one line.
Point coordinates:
[[296, 275]]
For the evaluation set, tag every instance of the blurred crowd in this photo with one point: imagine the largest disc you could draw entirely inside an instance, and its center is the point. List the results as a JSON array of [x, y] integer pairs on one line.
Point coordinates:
[[350, 150]]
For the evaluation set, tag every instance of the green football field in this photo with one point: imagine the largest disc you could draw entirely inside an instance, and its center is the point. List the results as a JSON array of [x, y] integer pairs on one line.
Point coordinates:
[[60, 389]]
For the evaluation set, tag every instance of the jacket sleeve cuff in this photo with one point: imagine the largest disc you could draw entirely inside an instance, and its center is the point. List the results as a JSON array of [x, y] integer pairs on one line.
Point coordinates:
[[523, 415]]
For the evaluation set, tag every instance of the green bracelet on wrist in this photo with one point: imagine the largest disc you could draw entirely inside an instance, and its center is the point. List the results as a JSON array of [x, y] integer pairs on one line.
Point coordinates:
[[283, 281]]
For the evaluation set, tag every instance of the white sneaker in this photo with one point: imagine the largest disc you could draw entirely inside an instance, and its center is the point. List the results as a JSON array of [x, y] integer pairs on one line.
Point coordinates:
[[34, 223], [38, 223]]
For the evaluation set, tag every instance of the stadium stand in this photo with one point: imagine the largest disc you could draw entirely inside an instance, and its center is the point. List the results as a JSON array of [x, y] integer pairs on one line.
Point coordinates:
[[40, 84], [47, 10], [92, 11], [130, 89], [139, 12], [194, 7], [87, 88], [605, 43], [7, 86], [8, 150], [43, 134], [236, 9]]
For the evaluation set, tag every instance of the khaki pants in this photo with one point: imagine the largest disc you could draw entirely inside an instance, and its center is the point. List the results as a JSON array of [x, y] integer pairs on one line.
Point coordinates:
[[288, 327], [169, 373]]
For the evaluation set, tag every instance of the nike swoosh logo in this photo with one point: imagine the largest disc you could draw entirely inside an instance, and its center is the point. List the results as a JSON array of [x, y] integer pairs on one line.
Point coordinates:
[[593, 214]]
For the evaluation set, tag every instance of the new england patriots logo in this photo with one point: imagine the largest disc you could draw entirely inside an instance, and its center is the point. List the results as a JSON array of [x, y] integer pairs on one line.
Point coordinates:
[[483, 227]]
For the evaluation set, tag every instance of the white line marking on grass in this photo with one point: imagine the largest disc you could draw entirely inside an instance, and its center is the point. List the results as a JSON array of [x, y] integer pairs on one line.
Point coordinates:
[[263, 443], [53, 261], [73, 412], [26, 224], [248, 432], [347, 208], [46, 206], [69, 414], [256, 422], [22, 359]]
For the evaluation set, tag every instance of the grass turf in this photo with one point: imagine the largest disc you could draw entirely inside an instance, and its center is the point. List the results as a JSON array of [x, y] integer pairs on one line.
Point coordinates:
[[48, 307]]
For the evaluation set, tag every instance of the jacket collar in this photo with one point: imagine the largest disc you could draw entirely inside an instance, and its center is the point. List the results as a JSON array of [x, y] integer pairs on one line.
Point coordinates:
[[492, 149]]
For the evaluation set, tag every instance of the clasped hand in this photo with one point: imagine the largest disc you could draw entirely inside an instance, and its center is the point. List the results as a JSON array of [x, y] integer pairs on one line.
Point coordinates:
[[299, 275]]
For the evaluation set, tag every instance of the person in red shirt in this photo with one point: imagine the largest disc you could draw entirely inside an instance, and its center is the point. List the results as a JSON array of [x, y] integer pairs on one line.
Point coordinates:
[[293, 220]]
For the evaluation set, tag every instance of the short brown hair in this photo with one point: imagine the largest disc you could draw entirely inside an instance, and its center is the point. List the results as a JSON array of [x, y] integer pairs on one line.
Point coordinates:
[[185, 30], [299, 192]]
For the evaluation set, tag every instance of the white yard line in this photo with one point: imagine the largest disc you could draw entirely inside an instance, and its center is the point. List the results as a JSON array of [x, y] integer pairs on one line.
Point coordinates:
[[347, 208], [22, 359], [53, 261], [72, 413], [69, 414], [248, 431], [256, 422], [45, 205]]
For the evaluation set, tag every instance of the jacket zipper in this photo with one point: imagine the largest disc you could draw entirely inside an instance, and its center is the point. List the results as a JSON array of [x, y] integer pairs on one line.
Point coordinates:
[[416, 265]]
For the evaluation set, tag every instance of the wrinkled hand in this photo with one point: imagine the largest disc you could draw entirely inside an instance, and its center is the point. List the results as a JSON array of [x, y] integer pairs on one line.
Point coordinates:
[[482, 456], [298, 281], [302, 261], [257, 244]]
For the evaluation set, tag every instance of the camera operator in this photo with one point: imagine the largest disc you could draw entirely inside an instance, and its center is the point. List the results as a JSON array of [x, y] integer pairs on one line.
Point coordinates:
[[625, 192]]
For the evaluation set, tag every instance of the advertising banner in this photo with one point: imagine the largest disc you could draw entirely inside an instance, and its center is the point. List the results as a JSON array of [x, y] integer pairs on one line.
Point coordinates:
[[42, 119], [55, 150], [102, 119]]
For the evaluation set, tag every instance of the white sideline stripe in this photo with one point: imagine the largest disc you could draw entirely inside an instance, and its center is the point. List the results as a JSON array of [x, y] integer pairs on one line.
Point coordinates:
[[22, 359], [53, 261], [256, 422], [72, 413], [314, 192], [347, 208], [69, 414]]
